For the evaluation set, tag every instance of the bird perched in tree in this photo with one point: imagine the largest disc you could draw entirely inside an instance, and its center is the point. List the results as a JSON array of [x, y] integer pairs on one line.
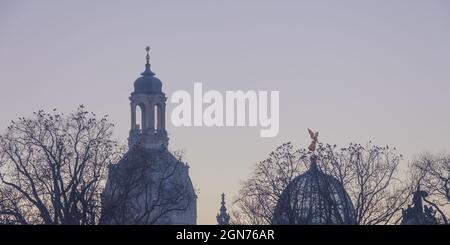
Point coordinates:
[[314, 137]]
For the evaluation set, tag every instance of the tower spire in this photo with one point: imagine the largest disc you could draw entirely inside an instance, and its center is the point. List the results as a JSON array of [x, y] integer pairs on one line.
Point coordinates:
[[223, 218], [223, 200], [147, 71], [148, 55]]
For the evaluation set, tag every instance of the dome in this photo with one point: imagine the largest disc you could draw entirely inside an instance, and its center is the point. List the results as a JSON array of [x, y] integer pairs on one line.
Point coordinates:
[[137, 179], [314, 198], [147, 83]]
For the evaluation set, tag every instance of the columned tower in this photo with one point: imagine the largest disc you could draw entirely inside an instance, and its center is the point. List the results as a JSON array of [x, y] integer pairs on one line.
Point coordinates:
[[149, 103]]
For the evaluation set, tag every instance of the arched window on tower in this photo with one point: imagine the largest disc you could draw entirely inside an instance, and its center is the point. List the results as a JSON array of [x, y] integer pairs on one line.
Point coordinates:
[[157, 117], [140, 116]]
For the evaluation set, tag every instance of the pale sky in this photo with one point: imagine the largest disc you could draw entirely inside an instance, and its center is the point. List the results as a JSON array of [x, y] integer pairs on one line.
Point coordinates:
[[353, 70]]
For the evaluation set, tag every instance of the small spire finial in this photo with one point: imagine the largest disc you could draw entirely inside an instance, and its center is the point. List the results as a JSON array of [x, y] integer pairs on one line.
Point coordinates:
[[148, 71], [148, 55], [223, 199]]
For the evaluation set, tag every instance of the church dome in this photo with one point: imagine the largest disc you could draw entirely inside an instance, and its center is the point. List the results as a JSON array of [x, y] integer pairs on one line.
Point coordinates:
[[314, 198], [147, 83], [149, 186]]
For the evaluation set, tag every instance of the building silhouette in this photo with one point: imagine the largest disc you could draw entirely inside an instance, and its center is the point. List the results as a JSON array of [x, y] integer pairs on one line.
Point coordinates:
[[149, 185]]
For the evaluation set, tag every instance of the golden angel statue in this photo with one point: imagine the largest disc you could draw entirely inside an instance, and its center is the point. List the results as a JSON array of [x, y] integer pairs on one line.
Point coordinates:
[[314, 137]]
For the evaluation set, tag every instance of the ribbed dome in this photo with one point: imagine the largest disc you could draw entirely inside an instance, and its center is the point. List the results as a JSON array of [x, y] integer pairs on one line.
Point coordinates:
[[147, 83], [314, 198]]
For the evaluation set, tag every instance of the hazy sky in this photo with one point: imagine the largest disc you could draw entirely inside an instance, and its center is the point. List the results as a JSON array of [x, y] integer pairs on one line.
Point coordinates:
[[354, 70]]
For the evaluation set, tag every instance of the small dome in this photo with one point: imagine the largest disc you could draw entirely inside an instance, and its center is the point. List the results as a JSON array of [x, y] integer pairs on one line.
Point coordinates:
[[314, 198], [147, 83]]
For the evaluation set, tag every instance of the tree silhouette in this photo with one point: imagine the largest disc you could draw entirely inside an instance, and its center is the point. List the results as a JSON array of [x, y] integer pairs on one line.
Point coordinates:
[[53, 168]]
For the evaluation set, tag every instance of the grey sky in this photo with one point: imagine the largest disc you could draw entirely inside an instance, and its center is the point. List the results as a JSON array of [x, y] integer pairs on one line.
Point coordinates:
[[353, 70]]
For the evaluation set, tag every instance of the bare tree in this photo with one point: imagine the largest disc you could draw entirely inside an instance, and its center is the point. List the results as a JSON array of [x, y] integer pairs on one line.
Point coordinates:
[[145, 187], [368, 173], [370, 178], [53, 167], [432, 173], [259, 194]]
